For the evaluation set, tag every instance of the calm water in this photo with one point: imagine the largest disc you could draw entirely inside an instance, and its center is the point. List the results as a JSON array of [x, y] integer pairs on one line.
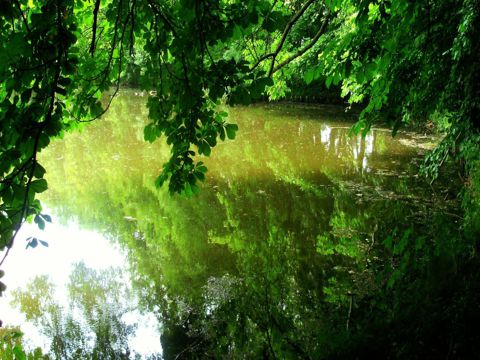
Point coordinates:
[[285, 235]]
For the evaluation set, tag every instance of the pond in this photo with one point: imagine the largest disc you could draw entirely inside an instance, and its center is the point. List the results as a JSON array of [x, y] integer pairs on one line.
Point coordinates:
[[288, 236]]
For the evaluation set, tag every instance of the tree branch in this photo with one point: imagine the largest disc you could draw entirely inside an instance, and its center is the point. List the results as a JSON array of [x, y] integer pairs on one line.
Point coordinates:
[[120, 42], [307, 47], [260, 59], [160, 14], [23, 15], [132, 29], [94, 31], [289, 26], [286, 31]]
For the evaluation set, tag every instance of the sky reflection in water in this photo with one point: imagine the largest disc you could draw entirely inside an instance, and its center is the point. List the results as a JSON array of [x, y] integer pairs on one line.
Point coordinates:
[[67, 244]]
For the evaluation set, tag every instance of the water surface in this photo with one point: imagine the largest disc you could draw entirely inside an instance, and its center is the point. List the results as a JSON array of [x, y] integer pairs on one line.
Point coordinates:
[[286, 234]]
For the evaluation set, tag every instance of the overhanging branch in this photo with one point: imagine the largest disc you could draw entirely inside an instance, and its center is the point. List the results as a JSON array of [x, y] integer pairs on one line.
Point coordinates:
[[307, 47], [286, 31], [94, 28], [289, 26]]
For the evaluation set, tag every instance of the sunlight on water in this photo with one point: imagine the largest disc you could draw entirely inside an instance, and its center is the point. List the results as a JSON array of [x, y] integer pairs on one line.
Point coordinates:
[[67, 244]]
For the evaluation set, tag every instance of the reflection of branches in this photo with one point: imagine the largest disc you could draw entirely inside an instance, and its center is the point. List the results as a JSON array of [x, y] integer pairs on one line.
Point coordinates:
[[273, 321], [270, 318], [349, 311]]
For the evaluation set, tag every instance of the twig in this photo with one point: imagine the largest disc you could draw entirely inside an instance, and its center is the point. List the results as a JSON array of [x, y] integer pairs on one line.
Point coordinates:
[[23, 15], [307, 47], [159, 13], [110, 62], [286, 31], [94, 27], [289, 26]]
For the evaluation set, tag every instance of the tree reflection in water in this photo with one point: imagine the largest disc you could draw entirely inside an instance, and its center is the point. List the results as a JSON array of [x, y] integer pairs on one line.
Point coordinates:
[[299, 238]]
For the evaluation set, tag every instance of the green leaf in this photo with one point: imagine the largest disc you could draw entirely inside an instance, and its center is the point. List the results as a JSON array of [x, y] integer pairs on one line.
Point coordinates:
[[43, 141], [43, 242], [328, 81], [32, 243], [39, 185], [357, 127], [237, 33], [231, 130], [96, 108], [360, 76], [161, 179], [258, 86], [222, 133], [150, 133], [46, 217], [40, 222], [206, 149], [202, 168], [200, 175], [309, 76], [337, 78], [39, 171], [188, 190], [370, 71], [19, 353]]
